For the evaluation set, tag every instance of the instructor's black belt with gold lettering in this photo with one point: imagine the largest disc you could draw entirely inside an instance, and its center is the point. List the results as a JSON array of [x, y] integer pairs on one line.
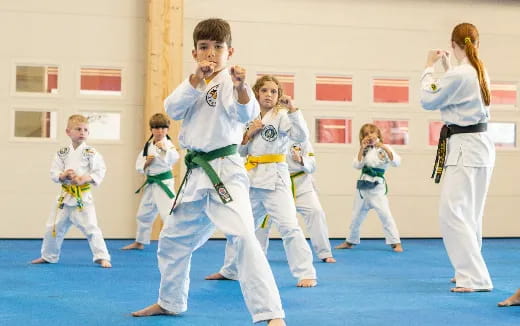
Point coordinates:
[[442, 147]]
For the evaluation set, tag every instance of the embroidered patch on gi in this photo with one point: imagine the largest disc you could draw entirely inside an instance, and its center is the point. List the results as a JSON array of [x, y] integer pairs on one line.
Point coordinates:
[[212, 95], [381, 153], [63, 152], [296, 147], [89, 152], [434, 87], [269, 133]]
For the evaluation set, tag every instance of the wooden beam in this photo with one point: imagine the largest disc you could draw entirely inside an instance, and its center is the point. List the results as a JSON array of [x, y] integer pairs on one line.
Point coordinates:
[[164, 67]]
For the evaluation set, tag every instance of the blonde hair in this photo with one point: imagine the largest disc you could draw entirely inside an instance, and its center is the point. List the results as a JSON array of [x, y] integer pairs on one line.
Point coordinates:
[[75, 119], [466, 36], [371, 127], [269, 78]]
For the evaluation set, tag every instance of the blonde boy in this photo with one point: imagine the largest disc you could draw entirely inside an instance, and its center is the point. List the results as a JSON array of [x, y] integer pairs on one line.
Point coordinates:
[[76, 167]]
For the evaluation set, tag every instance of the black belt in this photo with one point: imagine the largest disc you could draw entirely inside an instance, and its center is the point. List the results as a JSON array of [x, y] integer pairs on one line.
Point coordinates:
[[446, 132]]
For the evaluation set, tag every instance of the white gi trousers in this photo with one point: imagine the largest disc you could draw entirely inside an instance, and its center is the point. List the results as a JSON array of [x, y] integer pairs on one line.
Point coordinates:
[[85, 220], [279, 204], [154, 201], [461, 208], [377, 200], [190, 226], [309, 207]]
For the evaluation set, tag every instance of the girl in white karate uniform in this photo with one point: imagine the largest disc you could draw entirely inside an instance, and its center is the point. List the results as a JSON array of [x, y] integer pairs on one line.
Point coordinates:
[[302, 164], [466, 152], [373, 158], [155, 161], [264, 145]]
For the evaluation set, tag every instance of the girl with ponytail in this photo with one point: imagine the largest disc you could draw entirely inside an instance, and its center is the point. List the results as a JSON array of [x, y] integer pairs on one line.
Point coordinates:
[[466, 153]]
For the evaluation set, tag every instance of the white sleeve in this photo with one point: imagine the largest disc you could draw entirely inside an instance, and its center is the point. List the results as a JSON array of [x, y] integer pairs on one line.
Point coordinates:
[[293, 124], [308, 158], [396, 158], [357, 164], [57, 167], [139, 162], [178, 103], [97, 169], [244, 112], [438, 93]]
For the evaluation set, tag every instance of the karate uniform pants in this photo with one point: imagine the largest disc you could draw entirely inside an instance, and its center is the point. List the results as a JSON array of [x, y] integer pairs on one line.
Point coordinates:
[[279, 204], [309, 207], [190, 226], [85, 220], [154, 201], [461, 208], [377, 200]]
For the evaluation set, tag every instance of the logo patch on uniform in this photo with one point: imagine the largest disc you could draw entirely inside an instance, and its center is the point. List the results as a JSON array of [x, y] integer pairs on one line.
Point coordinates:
[[63, 152], [269, 133], [433, 87], [88, 152], [382, 155], [212, 95]]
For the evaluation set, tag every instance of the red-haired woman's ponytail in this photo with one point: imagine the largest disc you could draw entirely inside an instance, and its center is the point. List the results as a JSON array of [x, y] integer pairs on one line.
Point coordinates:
[[472, 54]]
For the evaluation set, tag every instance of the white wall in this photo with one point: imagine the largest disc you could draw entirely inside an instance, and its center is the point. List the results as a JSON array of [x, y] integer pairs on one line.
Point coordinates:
[[375, 38]]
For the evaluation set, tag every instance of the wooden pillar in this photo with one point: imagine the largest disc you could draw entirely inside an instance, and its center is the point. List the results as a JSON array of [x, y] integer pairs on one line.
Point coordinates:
[[164, 67]]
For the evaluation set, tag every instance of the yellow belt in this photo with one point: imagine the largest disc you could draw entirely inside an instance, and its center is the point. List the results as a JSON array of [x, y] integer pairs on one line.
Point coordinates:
[[253, 161], [76, 192]]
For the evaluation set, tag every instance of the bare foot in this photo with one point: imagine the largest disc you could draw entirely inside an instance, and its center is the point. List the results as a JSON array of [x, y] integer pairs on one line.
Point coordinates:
[[39, 261], [216, 277], [345, 245], [513, 300], [307, 283], [152, 310], [134, 246], [461, 290], [397, 247], [276, 322], [453, 280], [104, 263], [329, 260]]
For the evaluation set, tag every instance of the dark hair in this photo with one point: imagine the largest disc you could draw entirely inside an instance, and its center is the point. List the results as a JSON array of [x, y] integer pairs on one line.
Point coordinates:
[[158, 120], [213, 29], [466, 36]]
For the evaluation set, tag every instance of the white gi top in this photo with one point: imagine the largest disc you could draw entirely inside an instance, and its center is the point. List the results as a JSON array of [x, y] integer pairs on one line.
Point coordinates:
[[212, 119], [376, 157], [274, 139], [457, 95], [303, 183], [84, 160], [163, 160]]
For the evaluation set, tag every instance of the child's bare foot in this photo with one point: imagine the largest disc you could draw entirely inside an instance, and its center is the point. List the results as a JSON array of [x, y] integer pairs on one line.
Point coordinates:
[[397, 247], [307, 283], [104, 263], [134, 246], [329, 260], [39, 261], [345, 245], [276, 322], [453, 280], [152, 310], [461, 290], [513, 300], [216, 277]]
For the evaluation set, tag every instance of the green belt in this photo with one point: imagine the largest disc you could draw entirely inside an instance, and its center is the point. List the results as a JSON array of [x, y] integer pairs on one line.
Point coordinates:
[[158, 179], [194, 159], [374, 172], [293, 186]]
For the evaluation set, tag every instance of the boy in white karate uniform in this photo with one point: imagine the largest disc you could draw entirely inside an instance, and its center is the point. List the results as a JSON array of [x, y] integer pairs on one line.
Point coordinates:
[[214, 103], [373, 158], [466, 152], [76, 167], [302, 164], [155, 161]]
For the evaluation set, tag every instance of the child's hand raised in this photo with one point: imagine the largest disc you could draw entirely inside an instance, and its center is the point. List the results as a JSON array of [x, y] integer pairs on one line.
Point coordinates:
[[254, 127], [434, 56], [238, 75], [286, 101], [205, 69]]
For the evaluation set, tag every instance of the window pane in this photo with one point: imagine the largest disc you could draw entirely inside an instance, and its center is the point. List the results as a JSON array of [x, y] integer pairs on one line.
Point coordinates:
[[390, 90], [394, 132], [37, 79], [503, 93], [333, 88], [503, 134], [35, 124], [287, 81], [104, 125], [100, 81], [336, 131], [434, 130]]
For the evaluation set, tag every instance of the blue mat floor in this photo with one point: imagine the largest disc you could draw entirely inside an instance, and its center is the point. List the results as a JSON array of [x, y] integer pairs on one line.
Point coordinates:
[[370, 285]]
